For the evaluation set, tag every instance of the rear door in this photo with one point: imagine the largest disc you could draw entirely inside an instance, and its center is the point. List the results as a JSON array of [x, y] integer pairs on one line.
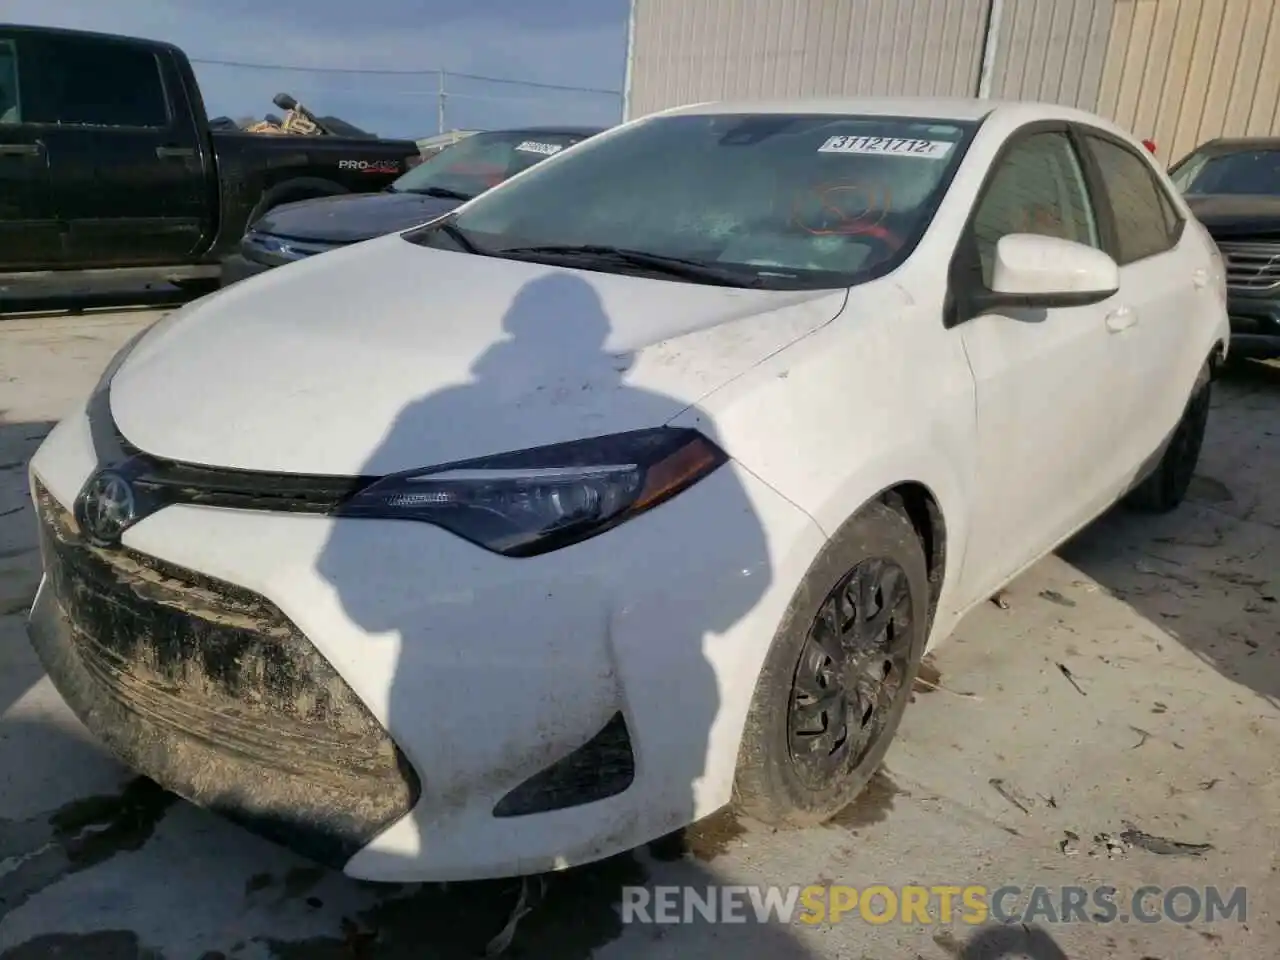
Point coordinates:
[[123, 149], [29, 235], [1043, 378], [1164, 282]]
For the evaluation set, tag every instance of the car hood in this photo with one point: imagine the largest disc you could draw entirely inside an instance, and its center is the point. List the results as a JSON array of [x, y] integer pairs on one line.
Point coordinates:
[[388, 356], [354, 217], [1232, 216]]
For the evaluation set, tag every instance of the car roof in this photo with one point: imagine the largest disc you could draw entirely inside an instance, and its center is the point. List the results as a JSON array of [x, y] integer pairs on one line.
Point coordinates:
[[86, 35], [1231, 144], [563, 131], [1008, 114]]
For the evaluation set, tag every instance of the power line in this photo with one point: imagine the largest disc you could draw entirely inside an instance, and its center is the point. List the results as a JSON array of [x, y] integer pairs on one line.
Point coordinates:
[[403, 73]]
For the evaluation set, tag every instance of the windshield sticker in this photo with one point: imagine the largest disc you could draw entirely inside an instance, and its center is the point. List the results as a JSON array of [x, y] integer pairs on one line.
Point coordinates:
[[888, 146], [533, 146]]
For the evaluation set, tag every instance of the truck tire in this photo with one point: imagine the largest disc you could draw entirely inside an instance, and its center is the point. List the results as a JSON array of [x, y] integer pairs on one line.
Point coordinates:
[[291, 191], [839, 674]]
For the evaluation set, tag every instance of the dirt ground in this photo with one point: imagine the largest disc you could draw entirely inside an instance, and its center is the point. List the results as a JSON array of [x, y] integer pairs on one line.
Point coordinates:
[[1128, 695]]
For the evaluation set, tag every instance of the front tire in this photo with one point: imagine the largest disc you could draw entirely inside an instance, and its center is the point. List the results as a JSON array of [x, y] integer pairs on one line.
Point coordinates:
[[1166, 486], [838, 677]]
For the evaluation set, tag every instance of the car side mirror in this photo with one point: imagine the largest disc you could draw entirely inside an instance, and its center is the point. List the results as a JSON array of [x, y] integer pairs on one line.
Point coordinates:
[[1037, 271]]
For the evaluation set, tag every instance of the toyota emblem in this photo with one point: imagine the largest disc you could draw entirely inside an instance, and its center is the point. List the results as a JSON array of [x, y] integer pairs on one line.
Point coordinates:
[[107, 507]]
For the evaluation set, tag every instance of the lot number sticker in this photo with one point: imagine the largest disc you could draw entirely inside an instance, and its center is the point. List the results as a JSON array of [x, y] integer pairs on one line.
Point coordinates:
[[533, 146], [888, 146]]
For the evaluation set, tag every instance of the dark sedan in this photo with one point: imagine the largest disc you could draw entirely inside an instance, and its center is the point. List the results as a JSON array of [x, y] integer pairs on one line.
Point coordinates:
[[483, 160], [1233, 187]]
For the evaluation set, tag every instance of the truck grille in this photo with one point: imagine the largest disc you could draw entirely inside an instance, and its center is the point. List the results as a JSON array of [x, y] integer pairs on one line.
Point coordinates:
[[1252, 267], [211, 691]]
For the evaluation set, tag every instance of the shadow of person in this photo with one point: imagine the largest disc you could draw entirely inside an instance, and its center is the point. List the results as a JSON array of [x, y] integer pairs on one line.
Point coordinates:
[[1011, 942], [508, 669], [20, 570]]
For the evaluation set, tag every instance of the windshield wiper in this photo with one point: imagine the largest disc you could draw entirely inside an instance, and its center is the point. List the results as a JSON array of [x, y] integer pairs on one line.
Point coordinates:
[[660, 263], [443, 193], [459, 236]]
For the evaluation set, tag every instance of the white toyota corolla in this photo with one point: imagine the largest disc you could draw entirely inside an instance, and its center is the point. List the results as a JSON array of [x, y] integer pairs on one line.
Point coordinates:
[[634, 487]]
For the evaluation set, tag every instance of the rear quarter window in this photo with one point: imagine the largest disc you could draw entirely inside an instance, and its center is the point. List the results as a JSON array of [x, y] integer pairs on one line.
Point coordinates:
[[1147, 223]]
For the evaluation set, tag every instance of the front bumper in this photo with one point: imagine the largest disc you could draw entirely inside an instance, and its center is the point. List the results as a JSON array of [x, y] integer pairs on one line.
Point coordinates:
[[489, 673], [211, 691], [1255, 325]]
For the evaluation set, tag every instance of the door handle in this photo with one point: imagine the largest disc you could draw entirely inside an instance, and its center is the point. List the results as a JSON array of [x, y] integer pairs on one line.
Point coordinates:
[[176, 153], [1122, 318], [21, 149], [1200, 278]]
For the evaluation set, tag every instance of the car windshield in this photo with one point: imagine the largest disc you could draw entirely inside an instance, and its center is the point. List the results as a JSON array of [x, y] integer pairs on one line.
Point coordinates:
[[1245, 172], [778, 201], [481, 161]]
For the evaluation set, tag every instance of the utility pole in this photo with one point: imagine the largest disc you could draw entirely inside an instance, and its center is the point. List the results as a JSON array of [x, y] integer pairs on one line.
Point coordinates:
[[440, 103]]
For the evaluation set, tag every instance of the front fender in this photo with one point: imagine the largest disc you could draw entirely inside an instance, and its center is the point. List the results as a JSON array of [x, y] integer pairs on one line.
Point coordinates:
[[880, 397]]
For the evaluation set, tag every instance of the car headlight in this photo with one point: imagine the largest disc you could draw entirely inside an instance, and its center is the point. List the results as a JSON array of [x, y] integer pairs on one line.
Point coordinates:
[[531, 502]]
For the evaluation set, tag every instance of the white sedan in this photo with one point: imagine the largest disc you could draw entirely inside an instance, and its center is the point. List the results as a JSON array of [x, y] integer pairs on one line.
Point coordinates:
[[632, 488]]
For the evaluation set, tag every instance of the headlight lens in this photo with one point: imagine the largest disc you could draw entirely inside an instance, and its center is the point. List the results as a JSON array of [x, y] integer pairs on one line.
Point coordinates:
[[534, 501]]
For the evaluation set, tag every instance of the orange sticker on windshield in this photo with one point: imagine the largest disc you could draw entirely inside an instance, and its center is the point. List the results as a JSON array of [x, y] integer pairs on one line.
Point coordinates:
[[835, 215]]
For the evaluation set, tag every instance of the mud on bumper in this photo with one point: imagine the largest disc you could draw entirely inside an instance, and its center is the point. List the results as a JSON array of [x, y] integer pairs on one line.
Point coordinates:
[[212, 692]]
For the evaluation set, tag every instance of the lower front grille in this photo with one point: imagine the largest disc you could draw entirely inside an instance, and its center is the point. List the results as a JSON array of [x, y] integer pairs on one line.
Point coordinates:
[[1252, 267], [211, 691]]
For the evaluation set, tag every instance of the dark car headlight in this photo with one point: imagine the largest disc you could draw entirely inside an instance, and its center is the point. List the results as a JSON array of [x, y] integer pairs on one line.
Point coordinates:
[[534, 501]]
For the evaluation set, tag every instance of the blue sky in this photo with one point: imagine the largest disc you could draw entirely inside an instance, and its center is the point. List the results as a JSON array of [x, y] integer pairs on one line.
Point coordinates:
[[563, 42]]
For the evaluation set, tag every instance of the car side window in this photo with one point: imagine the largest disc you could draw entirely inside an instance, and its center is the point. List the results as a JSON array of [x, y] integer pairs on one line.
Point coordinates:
[[1038, 187], [87, 82], [1146, 221], [10, 106]]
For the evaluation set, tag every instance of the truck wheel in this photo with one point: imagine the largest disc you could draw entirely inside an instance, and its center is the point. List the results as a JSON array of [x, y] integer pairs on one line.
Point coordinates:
[[292, 191], [1166, 486], [838, 677]]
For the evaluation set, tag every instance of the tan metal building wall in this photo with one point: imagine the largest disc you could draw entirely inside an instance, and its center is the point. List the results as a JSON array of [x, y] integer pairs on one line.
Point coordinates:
[[1178, 71], [684, 51], [1184, 71], [1051, 50]]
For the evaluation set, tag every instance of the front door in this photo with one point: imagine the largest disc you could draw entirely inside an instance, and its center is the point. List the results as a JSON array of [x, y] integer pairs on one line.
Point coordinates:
[[1044, 416], [125, 161], [29, 236]]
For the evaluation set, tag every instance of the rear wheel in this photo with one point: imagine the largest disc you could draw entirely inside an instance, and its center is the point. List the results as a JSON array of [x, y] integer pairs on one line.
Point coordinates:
[[838, 677], [1166, 486]]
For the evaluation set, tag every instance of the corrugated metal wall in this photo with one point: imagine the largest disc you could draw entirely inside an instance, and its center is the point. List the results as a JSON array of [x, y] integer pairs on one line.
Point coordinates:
[[684, 51], [1184, 71], [1052, 50], [1178, 71]]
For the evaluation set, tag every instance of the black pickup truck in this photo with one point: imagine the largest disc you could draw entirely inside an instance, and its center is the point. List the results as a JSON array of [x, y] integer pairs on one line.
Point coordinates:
[[109, 167], [1233, 188]]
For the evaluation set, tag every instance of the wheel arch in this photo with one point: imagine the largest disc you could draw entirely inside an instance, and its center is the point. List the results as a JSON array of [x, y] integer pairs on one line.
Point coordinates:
[[292, 189], [920, 506], [1217, 357], [930, 491]]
